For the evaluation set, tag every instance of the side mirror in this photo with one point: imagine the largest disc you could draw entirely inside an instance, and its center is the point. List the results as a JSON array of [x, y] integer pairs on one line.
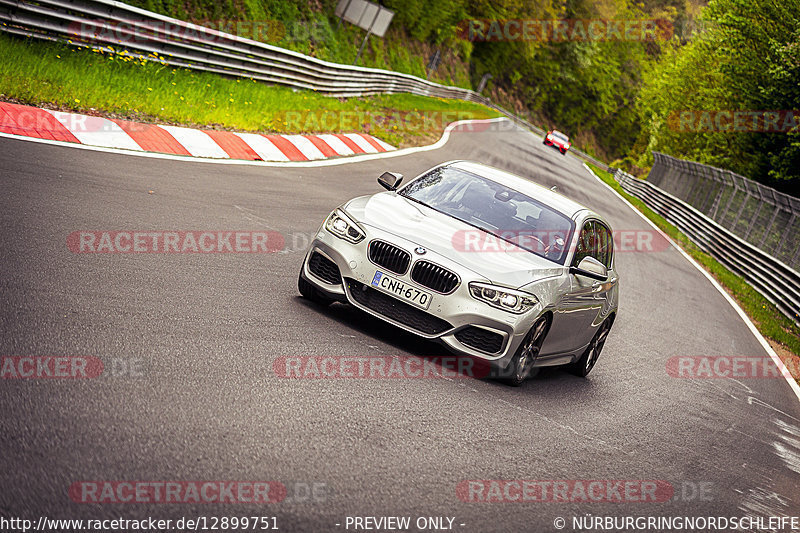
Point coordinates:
[[390, 180], [591, 268]]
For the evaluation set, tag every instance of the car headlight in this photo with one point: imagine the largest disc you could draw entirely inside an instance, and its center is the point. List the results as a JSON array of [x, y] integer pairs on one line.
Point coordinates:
[[517, 302], [343, 227]]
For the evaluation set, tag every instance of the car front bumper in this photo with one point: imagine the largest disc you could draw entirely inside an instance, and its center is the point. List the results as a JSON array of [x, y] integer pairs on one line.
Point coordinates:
[[458, 320]]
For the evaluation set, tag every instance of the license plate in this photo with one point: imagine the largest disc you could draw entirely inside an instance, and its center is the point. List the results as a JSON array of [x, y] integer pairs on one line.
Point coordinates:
[[401, 289]]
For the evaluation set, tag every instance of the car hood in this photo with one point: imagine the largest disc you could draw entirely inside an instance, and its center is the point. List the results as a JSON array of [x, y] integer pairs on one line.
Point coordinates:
[[443, 234]]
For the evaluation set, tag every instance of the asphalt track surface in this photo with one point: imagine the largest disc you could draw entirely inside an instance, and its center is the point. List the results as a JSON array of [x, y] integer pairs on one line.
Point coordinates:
[[205, 329]]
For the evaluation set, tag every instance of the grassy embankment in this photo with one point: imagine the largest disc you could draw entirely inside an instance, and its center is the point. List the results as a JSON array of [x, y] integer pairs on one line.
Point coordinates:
[[69, 78], [311, 28], [782, 333]]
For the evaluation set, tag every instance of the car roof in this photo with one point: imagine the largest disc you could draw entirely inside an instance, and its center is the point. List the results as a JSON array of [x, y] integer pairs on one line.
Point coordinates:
[[554, 199]]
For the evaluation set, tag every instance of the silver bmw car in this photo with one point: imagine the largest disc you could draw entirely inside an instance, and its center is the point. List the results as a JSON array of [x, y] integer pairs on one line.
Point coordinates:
[[492, 265]]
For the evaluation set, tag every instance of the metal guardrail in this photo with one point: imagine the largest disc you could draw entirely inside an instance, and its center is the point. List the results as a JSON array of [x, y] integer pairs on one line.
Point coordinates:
[[110, 25], [778, 282], [764, 217]]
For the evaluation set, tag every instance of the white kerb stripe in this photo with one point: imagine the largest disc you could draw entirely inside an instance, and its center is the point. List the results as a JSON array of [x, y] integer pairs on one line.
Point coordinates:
[[305, 146], [336, 144], [95, 131], [265, 149], [362, 143], [196, 142], [386, 146], [330, 162]]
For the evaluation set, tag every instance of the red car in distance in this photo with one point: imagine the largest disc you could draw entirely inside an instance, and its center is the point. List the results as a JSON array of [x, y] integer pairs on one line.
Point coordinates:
[[558, 140]]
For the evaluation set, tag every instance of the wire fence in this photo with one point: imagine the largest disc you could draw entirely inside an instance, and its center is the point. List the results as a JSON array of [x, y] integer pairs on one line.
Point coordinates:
[[774, 279], [762, 216]]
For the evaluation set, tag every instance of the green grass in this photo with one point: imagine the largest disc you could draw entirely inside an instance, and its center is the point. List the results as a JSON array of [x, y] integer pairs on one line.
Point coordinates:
[[115, 84], [767, 318]]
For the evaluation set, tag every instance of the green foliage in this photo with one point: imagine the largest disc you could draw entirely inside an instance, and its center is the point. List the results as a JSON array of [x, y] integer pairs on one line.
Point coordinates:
[[311, 28], [583, 87], [748, 58], [64, 77]]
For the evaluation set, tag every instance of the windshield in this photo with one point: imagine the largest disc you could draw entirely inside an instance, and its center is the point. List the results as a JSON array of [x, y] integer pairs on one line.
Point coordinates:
[[496, 210], [560, 136]]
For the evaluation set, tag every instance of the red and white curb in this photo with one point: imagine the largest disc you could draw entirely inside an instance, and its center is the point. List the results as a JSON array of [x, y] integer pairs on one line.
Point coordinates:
[[119, 134]]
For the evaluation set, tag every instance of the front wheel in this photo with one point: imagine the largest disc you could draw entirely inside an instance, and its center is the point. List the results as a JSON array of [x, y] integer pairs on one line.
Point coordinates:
[[585, 364], [521, 365], [310, 292]]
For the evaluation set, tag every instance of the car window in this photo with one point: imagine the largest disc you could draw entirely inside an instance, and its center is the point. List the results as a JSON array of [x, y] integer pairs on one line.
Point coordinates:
[[587, 243], [596, 241], [494, 208], [605, 244]]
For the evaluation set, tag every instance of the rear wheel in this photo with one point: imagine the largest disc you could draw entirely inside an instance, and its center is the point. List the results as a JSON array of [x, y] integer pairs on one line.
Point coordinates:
[[586, 363], [310, 292], [521, 366]]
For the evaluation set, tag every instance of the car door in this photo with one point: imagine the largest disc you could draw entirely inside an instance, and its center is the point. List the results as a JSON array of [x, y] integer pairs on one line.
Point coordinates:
[[576, 309]]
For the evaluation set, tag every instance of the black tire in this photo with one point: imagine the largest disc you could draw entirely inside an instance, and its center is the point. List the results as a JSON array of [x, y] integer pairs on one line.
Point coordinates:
[[585, 364], [521, 366], [309, 292]]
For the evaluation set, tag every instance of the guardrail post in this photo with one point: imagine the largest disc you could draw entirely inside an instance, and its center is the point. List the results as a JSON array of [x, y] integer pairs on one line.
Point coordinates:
[[783, 237], [775, 211], [739, 213], [730, 200], [713, 188], [794, 257], [753, 222]]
